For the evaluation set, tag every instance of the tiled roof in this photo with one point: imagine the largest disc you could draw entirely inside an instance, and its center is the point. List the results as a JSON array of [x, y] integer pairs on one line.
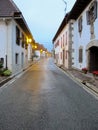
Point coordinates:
[[7, 8]]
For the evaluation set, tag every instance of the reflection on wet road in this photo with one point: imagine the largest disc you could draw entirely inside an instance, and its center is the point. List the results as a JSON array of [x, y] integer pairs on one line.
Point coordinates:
[[44, 98]]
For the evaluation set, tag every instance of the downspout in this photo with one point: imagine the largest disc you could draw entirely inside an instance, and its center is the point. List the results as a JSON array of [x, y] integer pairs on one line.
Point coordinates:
[[6, 56]]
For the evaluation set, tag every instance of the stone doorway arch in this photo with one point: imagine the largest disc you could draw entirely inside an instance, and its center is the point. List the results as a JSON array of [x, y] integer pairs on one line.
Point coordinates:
[[92, 55]]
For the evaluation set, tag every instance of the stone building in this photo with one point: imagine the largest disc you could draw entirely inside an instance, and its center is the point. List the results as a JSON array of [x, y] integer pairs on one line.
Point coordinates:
[[80, 25], [85, 34], [62, 42]]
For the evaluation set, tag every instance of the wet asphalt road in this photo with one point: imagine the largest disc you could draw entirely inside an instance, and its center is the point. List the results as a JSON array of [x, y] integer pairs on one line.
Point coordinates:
[[44, 98]]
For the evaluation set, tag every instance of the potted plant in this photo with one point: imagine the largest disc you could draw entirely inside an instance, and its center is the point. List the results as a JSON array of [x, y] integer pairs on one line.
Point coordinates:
[[85, 70]]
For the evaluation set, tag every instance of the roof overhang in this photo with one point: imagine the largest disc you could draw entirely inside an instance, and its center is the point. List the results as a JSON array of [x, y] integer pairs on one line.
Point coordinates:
[[78, 8], [64, 22], [22, 23], [75, 12]]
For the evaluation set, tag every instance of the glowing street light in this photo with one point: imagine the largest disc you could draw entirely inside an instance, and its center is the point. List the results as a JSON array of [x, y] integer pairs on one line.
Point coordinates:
[[29, 40], [41, 50], [35, 46]]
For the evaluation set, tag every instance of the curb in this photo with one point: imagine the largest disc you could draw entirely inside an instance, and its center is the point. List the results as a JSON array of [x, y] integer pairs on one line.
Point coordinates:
[[5, 81], [90, 86]]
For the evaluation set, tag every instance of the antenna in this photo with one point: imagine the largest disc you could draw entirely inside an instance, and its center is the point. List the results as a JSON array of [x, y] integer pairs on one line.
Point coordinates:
[[65, 5]]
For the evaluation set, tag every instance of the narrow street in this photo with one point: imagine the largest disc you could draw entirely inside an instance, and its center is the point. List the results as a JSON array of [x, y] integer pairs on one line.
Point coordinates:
[[45, 98]]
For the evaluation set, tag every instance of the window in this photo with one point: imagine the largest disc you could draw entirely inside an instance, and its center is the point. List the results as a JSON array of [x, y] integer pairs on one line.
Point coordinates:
[[61, 55], [17, 36], [88, 17], [66, 38], [80, 55], [2, 60], [26, 46], [91, 14], [16, 58], [57, 44], [80, 24], [61, 42], [66, 53], [23, 40], [22, 58]]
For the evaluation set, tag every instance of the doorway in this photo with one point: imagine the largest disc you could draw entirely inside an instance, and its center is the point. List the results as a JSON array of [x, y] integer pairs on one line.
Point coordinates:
[[93, 58]]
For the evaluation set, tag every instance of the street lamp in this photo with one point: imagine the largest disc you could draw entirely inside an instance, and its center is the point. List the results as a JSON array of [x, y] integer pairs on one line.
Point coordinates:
[[35, 46], [41, 50], [29, 40]]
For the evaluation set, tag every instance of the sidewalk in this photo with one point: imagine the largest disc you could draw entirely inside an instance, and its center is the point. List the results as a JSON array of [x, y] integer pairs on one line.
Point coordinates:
[[87, 79], [5, 79]]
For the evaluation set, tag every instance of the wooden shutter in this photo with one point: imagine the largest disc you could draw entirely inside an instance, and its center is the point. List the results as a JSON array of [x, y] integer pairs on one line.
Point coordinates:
[[95, 10], [88, 17], [80, 55]]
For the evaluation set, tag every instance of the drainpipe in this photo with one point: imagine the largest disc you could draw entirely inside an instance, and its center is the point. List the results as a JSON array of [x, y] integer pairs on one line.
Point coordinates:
[[6, 56], [6, 62]]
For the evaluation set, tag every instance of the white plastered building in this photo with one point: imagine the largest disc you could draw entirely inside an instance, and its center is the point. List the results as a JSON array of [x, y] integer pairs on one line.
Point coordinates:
[[86, 35], [81, 25], [14, 35]]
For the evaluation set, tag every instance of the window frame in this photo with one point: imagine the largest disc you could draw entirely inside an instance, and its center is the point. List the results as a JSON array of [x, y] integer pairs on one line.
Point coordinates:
[[16, 58], [17, 36], [80, 54]]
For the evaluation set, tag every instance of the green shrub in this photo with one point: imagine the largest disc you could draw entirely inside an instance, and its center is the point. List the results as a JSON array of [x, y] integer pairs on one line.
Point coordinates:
[[7, 73]]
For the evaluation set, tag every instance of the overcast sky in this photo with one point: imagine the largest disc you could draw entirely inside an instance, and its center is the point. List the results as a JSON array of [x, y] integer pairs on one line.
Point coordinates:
[[44, 17]]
